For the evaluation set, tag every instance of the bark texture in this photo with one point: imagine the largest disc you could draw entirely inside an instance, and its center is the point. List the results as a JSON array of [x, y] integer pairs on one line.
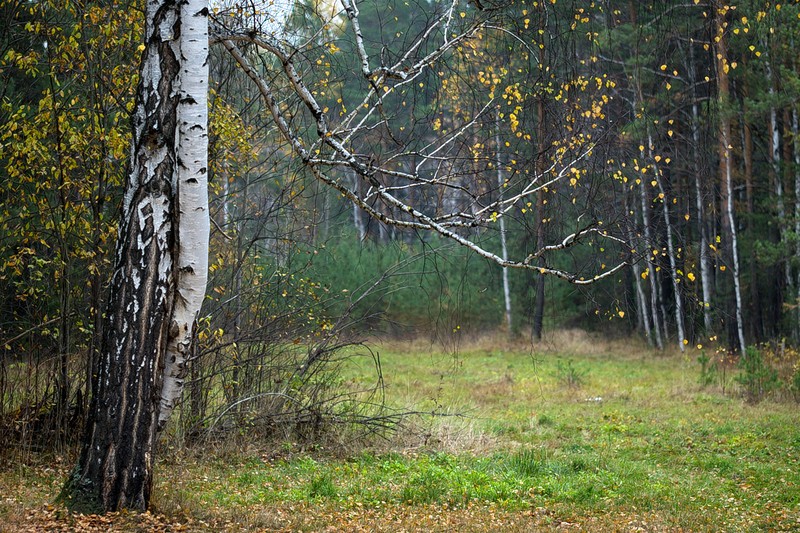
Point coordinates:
[[116, 463], [191, 181]]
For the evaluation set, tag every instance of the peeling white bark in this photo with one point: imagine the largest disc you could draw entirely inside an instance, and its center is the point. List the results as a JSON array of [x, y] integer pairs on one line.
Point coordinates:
[[191, 187], [734, 246]]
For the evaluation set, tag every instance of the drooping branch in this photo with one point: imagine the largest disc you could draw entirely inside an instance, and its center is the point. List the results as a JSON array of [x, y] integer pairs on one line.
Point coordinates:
[[331, 149]]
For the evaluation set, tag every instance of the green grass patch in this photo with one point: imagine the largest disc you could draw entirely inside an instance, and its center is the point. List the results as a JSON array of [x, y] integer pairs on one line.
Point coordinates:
[[607, 439]]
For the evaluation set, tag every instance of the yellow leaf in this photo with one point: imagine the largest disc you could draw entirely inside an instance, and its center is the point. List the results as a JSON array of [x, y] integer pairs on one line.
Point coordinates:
[[621, 314]]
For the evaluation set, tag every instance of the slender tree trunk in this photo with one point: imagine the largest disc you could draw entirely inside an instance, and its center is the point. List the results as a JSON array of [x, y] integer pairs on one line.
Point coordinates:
[[238, 371], [651, 268], [796, 138], [706, 281], [538, 305], [705, 262], [152, 269], [726, 164], [757, 321], [503, 244], [775, 159], [643, 318], [656, 301], [358, 216], [673, 263]]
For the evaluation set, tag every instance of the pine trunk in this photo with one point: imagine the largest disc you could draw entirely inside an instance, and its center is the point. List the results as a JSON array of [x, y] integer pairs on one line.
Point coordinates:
[[796, 138]]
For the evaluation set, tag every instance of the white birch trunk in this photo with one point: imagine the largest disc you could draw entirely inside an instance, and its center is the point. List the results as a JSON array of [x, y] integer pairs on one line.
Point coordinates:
[[503, 243], [115, 469], [641, 299], [705, 266], [670, 248], [651, 270], [723, 94], [191, 186], [735, 246], [358, 218]]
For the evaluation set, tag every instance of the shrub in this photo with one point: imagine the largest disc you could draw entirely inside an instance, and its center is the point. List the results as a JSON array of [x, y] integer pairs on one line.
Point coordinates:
[[570, 376], [757, 378]]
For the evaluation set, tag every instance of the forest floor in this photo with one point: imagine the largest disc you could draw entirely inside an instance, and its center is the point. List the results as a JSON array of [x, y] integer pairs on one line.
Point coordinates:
[[577, 434]]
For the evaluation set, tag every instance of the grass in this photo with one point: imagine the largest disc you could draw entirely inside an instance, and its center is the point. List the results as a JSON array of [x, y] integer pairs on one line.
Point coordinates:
[[598, 435]]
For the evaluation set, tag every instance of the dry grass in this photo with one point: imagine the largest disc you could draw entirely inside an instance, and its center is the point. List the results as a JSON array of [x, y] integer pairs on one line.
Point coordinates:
[[561, 341]]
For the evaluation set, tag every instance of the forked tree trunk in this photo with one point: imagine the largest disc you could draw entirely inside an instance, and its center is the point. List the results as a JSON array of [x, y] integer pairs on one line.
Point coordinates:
[[673, 264], [642, 314], [115, 469], [656, 302]]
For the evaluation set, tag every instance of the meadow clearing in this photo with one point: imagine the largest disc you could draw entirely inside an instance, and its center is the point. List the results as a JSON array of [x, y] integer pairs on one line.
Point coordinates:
[[576, 433]]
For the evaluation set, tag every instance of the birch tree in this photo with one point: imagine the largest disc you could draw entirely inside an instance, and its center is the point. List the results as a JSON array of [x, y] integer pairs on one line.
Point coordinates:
[[160, 265], [726, 161]]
